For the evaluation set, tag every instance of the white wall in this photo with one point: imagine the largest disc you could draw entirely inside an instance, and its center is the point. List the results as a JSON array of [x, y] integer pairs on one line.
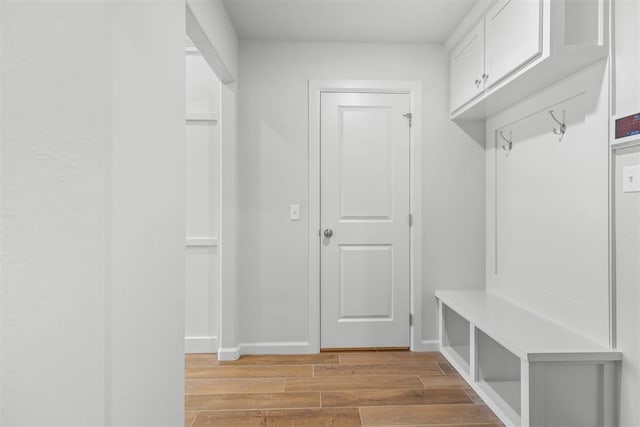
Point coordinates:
[[53, 214], [547, 205], [203, 207], [273, 280], [92, 193], [146, 215], [626, 99], [202, 85]]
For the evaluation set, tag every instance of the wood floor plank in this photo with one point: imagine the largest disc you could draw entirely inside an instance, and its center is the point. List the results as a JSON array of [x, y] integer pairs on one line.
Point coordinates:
[[387, 357], [302, 359], [447, 369], [361, 382], [455, 414], [361, 349], [192, 360], [473, 395], [215, 402], [261, 371], [335, 417], [235, 385], [456, 425], [382, 369], [443, 381], [334, 399], [381, 388], [189, 416]]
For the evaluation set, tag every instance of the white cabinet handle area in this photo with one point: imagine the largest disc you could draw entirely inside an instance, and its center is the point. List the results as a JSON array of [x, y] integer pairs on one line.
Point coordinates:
[[535, 43]]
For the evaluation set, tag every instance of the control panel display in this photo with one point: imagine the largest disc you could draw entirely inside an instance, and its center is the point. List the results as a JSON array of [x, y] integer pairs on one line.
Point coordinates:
[[628, 126]]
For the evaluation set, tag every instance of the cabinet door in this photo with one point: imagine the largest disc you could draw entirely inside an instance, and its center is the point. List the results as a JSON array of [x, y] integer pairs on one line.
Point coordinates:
[[514, 36], [467, 67]]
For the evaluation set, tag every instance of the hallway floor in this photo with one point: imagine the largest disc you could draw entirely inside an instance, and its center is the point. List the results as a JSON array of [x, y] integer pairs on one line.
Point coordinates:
[[386, 388]]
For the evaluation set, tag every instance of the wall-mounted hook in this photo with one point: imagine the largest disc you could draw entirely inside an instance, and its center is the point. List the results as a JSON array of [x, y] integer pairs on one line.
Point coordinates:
[[509, 142], [563, 127]]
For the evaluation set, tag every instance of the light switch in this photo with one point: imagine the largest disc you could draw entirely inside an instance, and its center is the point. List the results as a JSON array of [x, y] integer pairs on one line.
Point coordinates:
[[631, 179], [294, 212]]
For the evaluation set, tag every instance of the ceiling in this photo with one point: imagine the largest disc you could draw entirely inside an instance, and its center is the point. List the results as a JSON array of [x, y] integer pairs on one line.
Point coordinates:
[[384, 21]]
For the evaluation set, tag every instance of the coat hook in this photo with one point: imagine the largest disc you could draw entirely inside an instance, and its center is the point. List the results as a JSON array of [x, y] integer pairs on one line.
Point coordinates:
[[509, 142], [563, 126]]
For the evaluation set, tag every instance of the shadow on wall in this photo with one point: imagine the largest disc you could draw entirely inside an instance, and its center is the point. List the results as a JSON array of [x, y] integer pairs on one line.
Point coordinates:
[[476, 129]]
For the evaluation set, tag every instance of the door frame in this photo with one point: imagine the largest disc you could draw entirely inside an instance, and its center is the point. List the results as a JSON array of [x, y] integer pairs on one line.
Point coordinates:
[[414, 90]]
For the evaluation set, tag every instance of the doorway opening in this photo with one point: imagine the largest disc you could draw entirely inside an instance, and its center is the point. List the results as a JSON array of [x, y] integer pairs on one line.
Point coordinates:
[[203, 206], [364, 219]]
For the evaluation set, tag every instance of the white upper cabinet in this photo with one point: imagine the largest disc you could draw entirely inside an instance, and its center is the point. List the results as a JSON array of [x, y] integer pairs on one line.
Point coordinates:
[[467, 68], [514, 36], [514, 48]]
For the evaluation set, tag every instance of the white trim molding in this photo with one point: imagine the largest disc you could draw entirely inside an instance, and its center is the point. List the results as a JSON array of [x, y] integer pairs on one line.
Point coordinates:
[[202, 118], [427, 345], [414, 90], [206, 242], [274, 348], [229, 353]]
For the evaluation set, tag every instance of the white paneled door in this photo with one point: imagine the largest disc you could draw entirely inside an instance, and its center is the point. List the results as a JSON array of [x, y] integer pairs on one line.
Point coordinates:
[[365, 201]]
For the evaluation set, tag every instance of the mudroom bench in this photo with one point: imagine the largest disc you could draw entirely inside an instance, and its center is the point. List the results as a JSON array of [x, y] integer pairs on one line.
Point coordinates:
[[529, 370]]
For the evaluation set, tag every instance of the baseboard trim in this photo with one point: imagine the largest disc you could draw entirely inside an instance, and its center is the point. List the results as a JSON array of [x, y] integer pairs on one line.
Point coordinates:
[[231, 353], [275, 348], [427, 345], [256, 348], [201, 345]]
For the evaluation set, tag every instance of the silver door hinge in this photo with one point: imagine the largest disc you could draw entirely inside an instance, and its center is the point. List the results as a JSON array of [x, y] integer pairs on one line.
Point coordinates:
[[410, 319], [410, 117], [410, 220]]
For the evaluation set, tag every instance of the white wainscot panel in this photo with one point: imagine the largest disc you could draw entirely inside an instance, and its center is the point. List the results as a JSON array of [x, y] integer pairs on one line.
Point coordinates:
[[203, 191], [202, 300], [203, 87]]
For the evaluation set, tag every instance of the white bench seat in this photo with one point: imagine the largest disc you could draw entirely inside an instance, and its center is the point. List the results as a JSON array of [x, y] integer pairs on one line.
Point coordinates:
[[528, 369], [527, 335]]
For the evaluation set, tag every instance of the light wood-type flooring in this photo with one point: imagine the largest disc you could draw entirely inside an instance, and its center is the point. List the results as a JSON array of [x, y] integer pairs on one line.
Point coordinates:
[[385, 388]]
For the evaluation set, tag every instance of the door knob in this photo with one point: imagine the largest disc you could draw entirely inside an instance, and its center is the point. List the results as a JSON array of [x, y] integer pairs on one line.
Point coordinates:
[[328, 232], [477, 82]]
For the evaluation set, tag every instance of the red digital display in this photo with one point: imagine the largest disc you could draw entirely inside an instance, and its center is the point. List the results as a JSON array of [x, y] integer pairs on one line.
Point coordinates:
[[628, 126]]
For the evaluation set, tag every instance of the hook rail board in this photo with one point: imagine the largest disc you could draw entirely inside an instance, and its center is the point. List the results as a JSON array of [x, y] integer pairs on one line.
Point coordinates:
[[560, 130]]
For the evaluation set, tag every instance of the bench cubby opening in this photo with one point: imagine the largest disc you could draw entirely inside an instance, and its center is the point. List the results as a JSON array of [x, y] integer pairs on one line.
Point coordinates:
[[456, 339], [529, 370], [498, 374]]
